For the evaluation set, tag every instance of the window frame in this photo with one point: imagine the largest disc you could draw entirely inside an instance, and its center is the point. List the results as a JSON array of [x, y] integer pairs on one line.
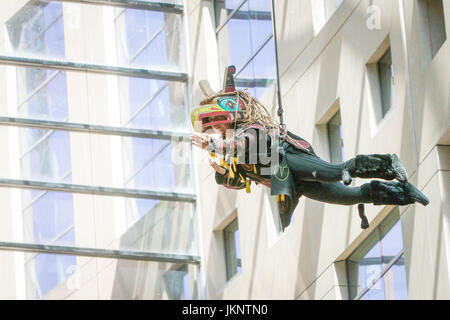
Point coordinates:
[[232, 262], [331, 140], [374, 238]]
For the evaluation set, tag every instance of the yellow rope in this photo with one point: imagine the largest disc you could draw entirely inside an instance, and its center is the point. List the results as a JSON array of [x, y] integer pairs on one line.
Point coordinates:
[[247, 186]]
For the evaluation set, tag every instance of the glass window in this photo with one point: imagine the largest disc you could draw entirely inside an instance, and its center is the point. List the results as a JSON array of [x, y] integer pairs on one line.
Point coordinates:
[[38, 28], [232, 249], [376, 270], [118, 279], [387, 84], [120, 223], [157, 165], [150, 39], [42, 94], [48, 271], [245, 40], [177, 282], [335, 139], [435, 24], [145, 38]]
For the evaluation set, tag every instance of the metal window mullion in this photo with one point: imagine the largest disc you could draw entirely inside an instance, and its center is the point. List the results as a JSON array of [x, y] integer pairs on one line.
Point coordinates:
[[39, 141], [388, 267], [144, 105], [230, 16], [28, 205], [35, 144], [146, 163], [253, 15], [125, 71], [254, 54], [145, 45], [38, 88], [253, 83], [93, 129], [100, 253], [44, 30], [97, 190], [51, 242]]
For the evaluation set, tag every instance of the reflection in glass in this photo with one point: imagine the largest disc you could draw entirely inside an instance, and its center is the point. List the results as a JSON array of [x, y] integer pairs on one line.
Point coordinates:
[[159, 165], [49, 159], [159, 226], [107, 222], [177, 284], [150, 39], [371, 260], [153, 104], [376, 292], [386, 78], [100, 278], [232, 249], [38, 28], [49, 219]]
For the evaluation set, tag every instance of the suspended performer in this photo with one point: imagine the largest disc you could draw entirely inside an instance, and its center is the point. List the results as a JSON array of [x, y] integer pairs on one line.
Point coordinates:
[[246, 145]]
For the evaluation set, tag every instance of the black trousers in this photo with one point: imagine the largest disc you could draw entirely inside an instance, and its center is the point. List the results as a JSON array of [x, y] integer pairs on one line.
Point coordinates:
[[320, 180]]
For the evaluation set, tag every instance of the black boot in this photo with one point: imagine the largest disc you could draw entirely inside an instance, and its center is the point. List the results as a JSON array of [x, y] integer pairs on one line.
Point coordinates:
[[394, 193], [381, 166]]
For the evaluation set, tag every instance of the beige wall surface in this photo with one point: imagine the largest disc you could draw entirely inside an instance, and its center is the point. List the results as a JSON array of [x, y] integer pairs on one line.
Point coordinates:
[[323, 71]]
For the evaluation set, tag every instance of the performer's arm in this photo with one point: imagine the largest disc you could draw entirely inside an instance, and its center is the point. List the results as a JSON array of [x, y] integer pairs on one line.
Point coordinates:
[[223, 178], [235, 146]]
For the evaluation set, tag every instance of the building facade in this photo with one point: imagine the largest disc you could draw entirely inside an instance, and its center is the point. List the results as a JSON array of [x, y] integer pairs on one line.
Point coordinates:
[[104, 198]]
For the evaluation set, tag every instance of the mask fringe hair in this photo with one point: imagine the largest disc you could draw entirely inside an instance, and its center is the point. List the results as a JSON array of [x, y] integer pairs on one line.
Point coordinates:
[[256, 111]]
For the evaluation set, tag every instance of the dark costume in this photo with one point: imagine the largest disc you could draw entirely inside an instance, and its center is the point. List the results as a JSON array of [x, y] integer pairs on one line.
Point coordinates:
[[302, 172], [249, 156]]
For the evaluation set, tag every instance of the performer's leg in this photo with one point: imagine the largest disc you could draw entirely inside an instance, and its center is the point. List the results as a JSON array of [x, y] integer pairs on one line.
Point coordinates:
[[376, 192], [307, 167], [381, 166], [311, 168], [336, 193]]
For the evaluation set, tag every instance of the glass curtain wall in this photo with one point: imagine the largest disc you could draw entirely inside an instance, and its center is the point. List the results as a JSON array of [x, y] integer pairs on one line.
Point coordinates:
[[98, 140], [245, 39]]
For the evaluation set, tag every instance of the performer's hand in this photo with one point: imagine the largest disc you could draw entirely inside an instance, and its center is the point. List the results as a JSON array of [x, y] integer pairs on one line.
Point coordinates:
[[216, 167], [200, 140]]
